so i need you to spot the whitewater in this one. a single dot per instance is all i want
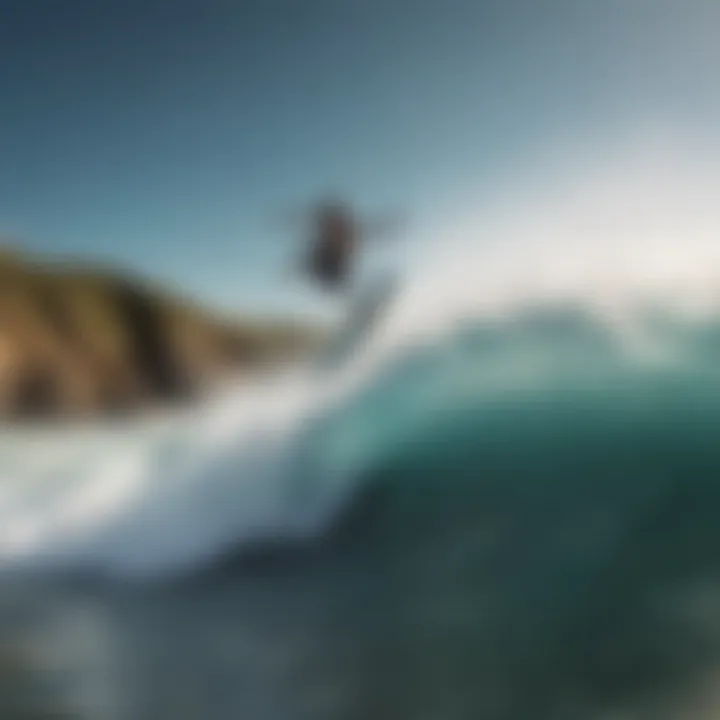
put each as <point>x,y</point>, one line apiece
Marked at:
<point>601,278</point>
<point>503,504</point>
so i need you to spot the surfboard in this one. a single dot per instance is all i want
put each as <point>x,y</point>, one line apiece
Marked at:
<point>360,323</point>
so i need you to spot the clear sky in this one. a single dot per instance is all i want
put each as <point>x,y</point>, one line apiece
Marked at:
<point>171,135</point>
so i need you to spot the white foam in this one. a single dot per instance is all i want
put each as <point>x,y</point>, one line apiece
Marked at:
<point>153,498</point>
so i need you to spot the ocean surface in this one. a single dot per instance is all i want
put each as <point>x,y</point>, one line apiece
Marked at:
<point>499,510</point>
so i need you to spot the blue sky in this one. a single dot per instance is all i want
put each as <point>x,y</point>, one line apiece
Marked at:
<point>171,136</point>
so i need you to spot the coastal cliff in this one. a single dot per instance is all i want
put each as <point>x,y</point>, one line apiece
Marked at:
<point>77,340</point>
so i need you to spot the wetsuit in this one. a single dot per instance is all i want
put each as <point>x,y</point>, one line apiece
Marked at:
<point>333,250</point>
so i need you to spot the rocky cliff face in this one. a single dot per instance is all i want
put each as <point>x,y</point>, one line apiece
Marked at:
<point>82,341</point>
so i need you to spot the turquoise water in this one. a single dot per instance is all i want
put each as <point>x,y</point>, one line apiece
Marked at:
<point>527,529</point>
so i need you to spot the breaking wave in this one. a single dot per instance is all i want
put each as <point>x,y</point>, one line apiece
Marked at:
<point>519,365</point>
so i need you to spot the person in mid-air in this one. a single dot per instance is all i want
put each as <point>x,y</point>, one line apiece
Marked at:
<point>336,236</point>
<point>333,245</point>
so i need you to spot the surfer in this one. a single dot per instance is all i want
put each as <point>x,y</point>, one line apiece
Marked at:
<point>336,235</point>
<point>333,245</point>
<point>335,239</point>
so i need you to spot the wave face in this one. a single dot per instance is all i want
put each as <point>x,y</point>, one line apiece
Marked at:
<point>552,401</point>
<point>563,377</point>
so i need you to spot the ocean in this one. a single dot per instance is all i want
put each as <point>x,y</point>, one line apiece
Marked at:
<point>504,510</point>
